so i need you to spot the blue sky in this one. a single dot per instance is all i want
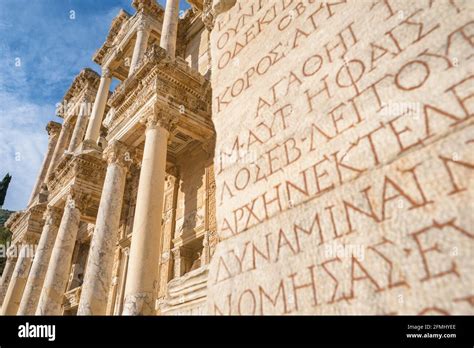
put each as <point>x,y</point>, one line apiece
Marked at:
<point>44,44</point>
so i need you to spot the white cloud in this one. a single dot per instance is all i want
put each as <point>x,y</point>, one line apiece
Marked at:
<point>23,141</point>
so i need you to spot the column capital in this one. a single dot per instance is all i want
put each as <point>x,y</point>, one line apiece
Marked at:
<point>53,215</point>
<point>106,73</point>
<point>119,153</point>
<point>143,24</point>
<point>78,200</point>
<point>161,117</point>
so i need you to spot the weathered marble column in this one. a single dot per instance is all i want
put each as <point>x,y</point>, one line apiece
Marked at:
<point>32,292</point>
<point>169,31</point>
<point>80,127</point>
<point>95,121</point>
<point>146,236</point>
<point>52,294</point>
<point>143,33</point>
<point>60,148</point>
<point>53,129</point>
<point>98,276</point>
<point>18,280</point>
<point>7,275</point>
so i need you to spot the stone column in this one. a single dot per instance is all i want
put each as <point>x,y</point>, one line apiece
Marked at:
<point>53,129</point>
<point>80,127</point>
<point>17,281</point>
<point>32,292</point>
<point>143,33</point>
<point>7,275</point>
<point>61,146</point>
<point>169,31</point>
<point>146,236</point>
<point>178,263</point>
<point>98,276</point>
<point>95,121</point>
<point>52,294</point>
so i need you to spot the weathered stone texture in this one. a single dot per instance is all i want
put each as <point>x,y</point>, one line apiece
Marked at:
<point>344,158</point>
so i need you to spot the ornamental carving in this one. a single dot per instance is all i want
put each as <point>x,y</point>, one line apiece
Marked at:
<point>119,153</point>
<point>53,129</point>
<point>161,117</point>
<point>77,199</point>
<point>53,215</point>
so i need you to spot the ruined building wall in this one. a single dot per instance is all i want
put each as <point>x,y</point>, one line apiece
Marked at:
<point>344,158</point>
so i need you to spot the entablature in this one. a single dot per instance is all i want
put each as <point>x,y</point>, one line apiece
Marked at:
<point>81,93</point>
<point>82,172</point>
<point>171,84</point>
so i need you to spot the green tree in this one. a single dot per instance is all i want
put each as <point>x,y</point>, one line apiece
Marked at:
<point>5,234</point>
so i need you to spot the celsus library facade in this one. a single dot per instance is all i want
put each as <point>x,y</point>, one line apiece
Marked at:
<point>259,157</point>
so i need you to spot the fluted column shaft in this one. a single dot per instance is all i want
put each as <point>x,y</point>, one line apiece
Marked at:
<point>52,294</point>
<point>146,236</point>
<point>53,130</point>
<point>169,32</point>
<point>95,121</point>
<point>33,287</point>
<point>6,276</point>
<point>143,33</point>
<point>18,280</point>
<point>98,276</point>
<point>80,127</point>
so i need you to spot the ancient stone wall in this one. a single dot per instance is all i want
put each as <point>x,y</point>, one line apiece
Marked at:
<point>344,158</point>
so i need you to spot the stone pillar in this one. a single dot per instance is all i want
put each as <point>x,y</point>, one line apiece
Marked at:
<point>80,127</point>
<point>146,236</point>
<point>53,129</point>
<point>98,276</point>
<point>61,146</point>
<point>141,43</point>
<point>169,31</point>
<point>52,294</point>
<point>6,275</point>
<point>95,121</point>
<point>206,251</point>
<point>178,263</point>
<point>32,292</point>
<point>18,280</point>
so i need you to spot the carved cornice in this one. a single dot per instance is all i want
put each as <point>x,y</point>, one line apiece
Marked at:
<point>82,166</point>
<point>171,80</point>
<point>13,219</point>
<point>150,7</point>
<point>117,23</point>
<point>87,80</point>
<point>53,128</point>
<point>26,224</point>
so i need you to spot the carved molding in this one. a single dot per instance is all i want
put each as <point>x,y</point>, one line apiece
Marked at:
<point>53,216</point>
<point>53,129</point>
<point>119,153</point>
<point>78,199</point>
<point>161,117</point>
